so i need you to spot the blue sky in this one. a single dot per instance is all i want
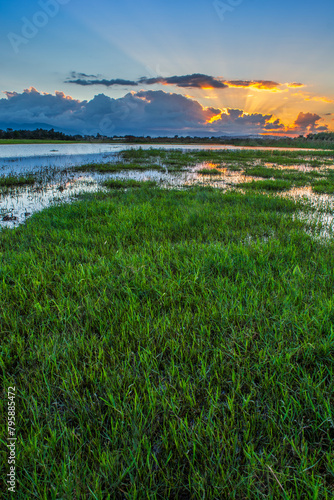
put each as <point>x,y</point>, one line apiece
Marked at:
<point>244,40</point>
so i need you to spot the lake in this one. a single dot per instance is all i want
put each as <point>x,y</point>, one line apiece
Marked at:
<point>22,158</point>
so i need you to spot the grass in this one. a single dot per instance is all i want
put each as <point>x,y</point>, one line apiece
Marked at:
<point>116,167</point>
<point>180,159</point>
<point>169,344</point>
<point>325,186</point>
<point>209,171</point>
<point>277,173</point>
<point>267,185</point>
<point>131,183</point>
<point>14,181</point>
<point>37,141</point>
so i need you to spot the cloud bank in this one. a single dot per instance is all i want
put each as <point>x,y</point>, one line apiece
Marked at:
<point>139,113</point>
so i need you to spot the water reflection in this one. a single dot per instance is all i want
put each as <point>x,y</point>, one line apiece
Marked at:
<point>57,182</point>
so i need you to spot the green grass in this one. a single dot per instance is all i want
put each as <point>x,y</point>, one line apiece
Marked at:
<point>14,181</point>
<point>325,186</point>
<point>131,183</point>
<point>209,171</point>
<point>116,167</point>
<point>277,173</point>
<point>267,185</point>
<point>169,344</point>
<point>229,157</point>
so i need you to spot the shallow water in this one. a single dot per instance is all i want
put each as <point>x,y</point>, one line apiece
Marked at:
<point>22,158</point>
<point>57,182</point>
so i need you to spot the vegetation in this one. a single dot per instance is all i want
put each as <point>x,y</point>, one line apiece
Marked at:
<point>169,344</point>
<point>226,157</point>
<point>39,135</point>
<point>267,185</point>
<point>117,167</point>
<point>276,173</point>
<point>324,186</point>
<point>131,183</point>
<point>209,171</point>
<point>14,181</point>
<point>321,140</point>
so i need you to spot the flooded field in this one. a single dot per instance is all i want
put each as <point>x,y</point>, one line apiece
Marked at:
<point>59,173</point>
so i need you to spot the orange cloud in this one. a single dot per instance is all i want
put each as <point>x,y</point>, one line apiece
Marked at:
<point>295,85</point>
<point>308,97</point>
<point>214,118</point>
<point>195,80</point>
<point>254,84</point>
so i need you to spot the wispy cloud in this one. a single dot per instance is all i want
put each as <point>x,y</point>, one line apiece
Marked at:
<point>88,80</point>
<point>195,81</point>
<point>295,85</point>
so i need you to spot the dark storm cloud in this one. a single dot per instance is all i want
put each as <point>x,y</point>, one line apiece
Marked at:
<point>308,122</point>
<point>142,113</point>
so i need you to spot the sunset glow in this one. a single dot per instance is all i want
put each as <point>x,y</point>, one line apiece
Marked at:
<point>147,70</point>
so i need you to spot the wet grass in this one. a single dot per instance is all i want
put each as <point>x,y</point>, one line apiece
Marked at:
<point>324,186</point>
<point>276,173</point>
<point>267,185</point>
<point>116,167</point>
<point>286,158</point>
<point>169,344</point>
<point>131,183</point>
<point>322,182</point>
<point>14,181</point>
<point>209,171</point>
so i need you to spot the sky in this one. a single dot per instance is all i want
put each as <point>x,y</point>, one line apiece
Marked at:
<point>199,67</point>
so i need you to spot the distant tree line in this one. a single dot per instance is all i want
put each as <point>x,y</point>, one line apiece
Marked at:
<point>38,134</point>
<point>320,140</point>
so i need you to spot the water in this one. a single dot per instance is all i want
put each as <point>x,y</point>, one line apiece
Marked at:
<point>57,181</point>
<point>22,158</point>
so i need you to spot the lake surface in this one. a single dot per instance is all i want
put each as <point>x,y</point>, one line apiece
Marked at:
<point>23,158</point>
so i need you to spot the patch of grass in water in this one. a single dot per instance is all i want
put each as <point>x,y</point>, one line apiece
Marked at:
<point>325,186</point>
<point>267,185</point>
<point>131,183</point>
<point>210,171</point>
<point>15,181</point>
<point>183,159</point>
<point>116,167</point>
<point>276,173</point>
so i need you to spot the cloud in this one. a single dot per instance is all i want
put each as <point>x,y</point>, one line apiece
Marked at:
<point>308,97</point>
<point>308,122</point>
<point>74,75</point>
<point>255,84</point>
<point>275,126</point>
<point>295,85</point>
<point>88,80</point>
<point>146,112</point>
<point>196,80</point>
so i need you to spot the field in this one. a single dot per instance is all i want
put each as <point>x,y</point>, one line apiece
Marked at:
<point>174,343</point>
